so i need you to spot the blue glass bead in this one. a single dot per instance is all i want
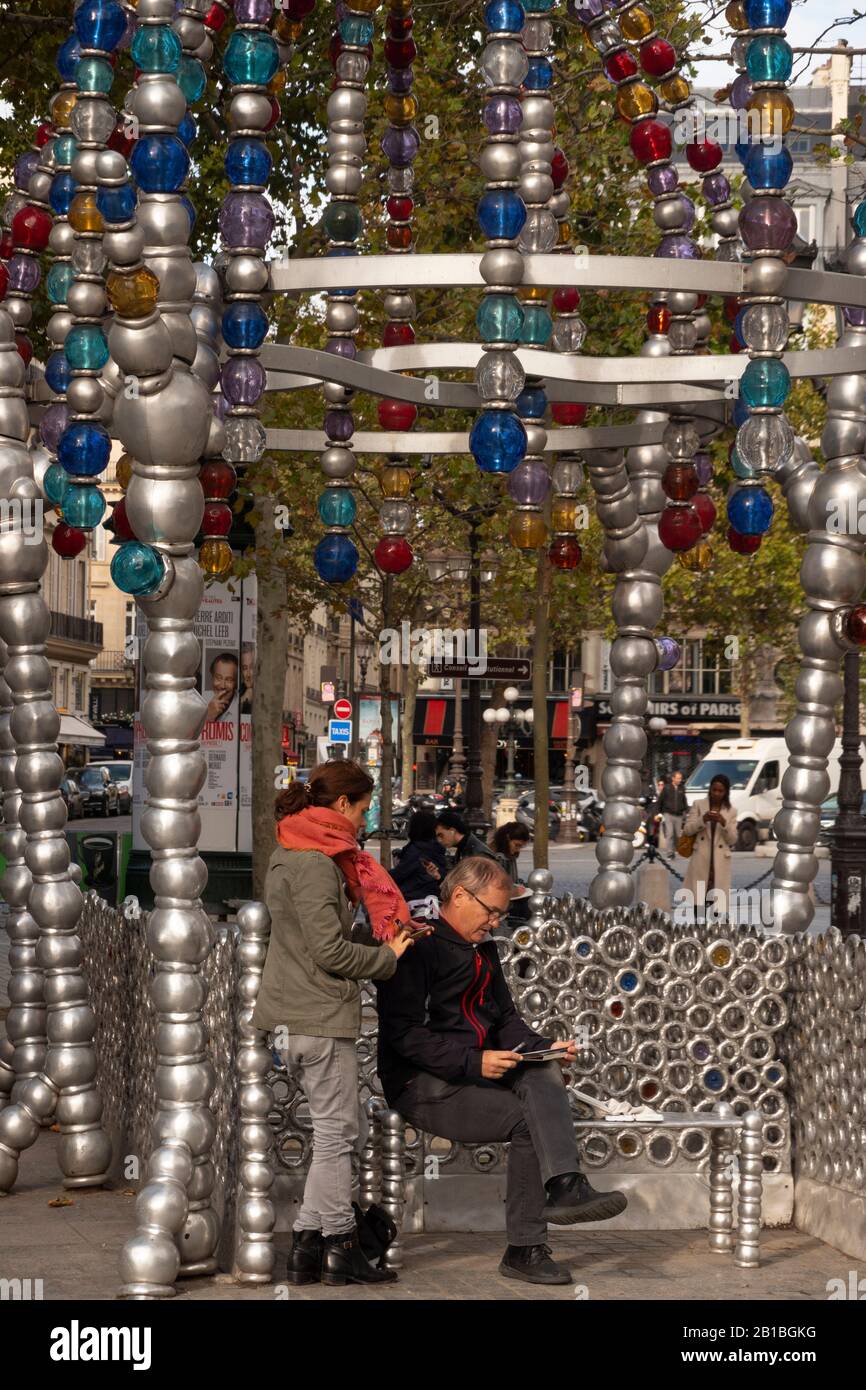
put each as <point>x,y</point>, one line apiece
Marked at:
<point>99,24</point>
<point>714,1080</point>
<point>84,448</point>
<point>497,441</point>
<point>356,30</point>
<point>858,219</point>
<point>740,412</point>
<point>499,318</point>
<point>539,75</point>
<point>337,507</point>
<point>537,325</point>
<point>531,403</point>
<point>57,282</point>
<point>741,470</point>
<point>538,6</point>
<point>86,349</point>
<point>252,57</point>
<point>83,506</point>
<point>191,213</point>
<point>93,75</point>
<point>156,48</point>
<point>187,130</point>
<point>765,382</point>
<point>65,147</point>
<point>117,204</point>
<point>504,17</point>
<point>244,325</point>
<point>769,59</point>
<point>774,1074</point>
<point>55,483</point>
<point>750,511</point>
<point>336,559</point>
<point>57,372</point>
<point>767,14</point>
<point>501,213</point>
<point>137,568</point>
<point>191,78</point>
<point>628,981</point>
<point>63,187</point>
<point>248,163</point>
<point>159,163</point>
<point>765,167</point>
<point>67,57</point>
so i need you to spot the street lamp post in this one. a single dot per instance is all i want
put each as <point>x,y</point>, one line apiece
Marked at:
<point>848,840</point>
<point>568,833</point>
<point>656,726</point>
<point>511,721</point>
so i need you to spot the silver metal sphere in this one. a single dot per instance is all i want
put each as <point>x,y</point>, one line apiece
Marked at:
<point>503,265</point>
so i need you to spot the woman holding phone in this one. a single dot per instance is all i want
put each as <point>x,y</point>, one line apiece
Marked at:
<point>713,821</point>
<point>310,995</point>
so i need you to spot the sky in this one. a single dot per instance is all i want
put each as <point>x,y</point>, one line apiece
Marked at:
<point>809,18</point>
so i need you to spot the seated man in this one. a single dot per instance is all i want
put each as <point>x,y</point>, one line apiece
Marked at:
<point>450,1039</point>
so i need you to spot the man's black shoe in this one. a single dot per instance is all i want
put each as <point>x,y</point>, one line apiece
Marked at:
<point>305,1259</point>
<point>344,1262</point>
<point>570,1199</point>
<point>532,1264</point>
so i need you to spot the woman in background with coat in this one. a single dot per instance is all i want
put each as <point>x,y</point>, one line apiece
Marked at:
<point>714,823</point>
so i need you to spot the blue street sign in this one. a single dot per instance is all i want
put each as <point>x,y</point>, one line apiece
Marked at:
<point>356,609</point>
<point>339,731</point>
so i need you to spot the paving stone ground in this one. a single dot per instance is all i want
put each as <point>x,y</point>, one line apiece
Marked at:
<point>75,1249</point>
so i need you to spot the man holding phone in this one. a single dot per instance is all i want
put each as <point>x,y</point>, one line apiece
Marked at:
<point>453,1060</point>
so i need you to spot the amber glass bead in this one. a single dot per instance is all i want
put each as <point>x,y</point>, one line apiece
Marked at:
<point>396,482</point>
<point>635,99</point>
<point>84,215</point>
<point>564,233</point>
<point>527,530</point>
<point>399,238</point>
<point>721,955</point>
<point>675,90</point>
<point>402,110</point>
<point>283,28</point>
<point>698,559</point>
<point>680,481</point>
<point>564,514</point>
<point>636,23</point>
<point>215,558</point>
<point>775,112</point>
<point>399,7</point>
<point>277,83</point>
<point>533,292</point>
<point>62,107</point>
<point>123,471</point>
<point>132,296</point>
<point>735,14</point>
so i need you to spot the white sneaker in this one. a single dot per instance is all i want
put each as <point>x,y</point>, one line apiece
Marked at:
<point>617,1111</point>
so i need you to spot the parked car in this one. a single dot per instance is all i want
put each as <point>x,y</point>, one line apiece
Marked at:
<point>829,812</point>
<point>99,795</point>
<point>72,797</point>
<point>121,775</point>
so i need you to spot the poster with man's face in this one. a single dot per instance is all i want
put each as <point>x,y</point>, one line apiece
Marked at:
<point>221,672</point>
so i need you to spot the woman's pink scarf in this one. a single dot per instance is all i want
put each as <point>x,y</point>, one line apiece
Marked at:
<point>323,829</point>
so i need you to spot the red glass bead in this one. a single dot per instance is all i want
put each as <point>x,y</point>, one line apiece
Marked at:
<point>743,545</point>
<point>400,209</point>
<point>650,141</point>
<point>702,299</point>
<point>44,133</point>
<point>706,510</point>
<point>399,238</point>
<point>4,280</point>
<point>120,141</point>
<point>276,113</point>
<point>558,168</point>
<point>658,320</point>
<point>398,335</point>
<point>620,66</point>
<point>120,522</point>
<point>218,480</point>
<point>31,228</point>
<point>68,541</point>
<point>704,155</point>
<point>400,26</point>
<point>732,307</point>
<point>217,519</point>
<point>400,53</point>
<point>566,299</point>
<point>680,481</point>
<point>657,57</point>
<point>565,553</point>
<point>679,528</point>
<point>393,554</point>
<point>298,9</point>
<point>855,625</point>
<point>7,246</point>
<point>397,415</point>
<point>25,348</point>
<point>215,18</point>
<point>568,412</point>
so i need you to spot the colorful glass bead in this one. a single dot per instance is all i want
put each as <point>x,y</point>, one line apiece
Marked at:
<point>86,348</point>
<point>497,441</point>
<point>84,449</point>
<point>335,558</point>
<point>132,295</point>
<point>137,569</point>
<point>337,507</point>
<point>159,163</point>
<point>750,511</point>
<point>156,48</point>
<point>83,506</point>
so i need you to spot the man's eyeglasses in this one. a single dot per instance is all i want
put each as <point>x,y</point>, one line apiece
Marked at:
<point>497,912</point>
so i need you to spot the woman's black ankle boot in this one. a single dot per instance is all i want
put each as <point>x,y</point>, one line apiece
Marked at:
<point>305,1259</point>
<point>344,1262</point>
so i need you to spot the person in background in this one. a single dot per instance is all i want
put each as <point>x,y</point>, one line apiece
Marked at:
<point>507,842</point>
<point>453,833</point>
<point>421,867</point>
<point>310,996</point>
<point>714,821</point>
<point>654,812</point>
<point>673,807</point>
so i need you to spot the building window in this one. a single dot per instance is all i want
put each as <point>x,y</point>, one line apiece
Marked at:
<point>129,628</point>
<point>99,548</point>
<point>703,669</point>
<point>78,687</point>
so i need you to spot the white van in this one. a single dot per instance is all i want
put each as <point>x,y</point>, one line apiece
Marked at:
<point>755,768</point>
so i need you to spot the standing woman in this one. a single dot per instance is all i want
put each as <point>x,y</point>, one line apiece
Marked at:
<point>714,821</point>
<point>310,994</point>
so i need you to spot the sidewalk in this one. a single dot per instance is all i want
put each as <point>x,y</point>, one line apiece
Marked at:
<point>75,1251</point>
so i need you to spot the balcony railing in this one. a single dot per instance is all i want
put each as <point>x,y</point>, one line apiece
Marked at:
<point>76,629</point>
<point>111,661</point>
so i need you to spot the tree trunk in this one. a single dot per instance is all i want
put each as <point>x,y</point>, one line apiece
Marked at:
<point>386,796</point>
<point>268,691</point>
<point>541,760</point>
<point>407,724</point>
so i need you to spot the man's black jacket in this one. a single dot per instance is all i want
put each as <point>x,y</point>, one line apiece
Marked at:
<point>446,1002</point>
<point>673,800</point>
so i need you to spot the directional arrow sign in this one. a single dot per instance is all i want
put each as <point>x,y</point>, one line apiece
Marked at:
<point>497,668</point>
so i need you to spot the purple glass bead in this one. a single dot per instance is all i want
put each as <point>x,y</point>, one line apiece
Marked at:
<point>529,484</point>
<point>703,467</point>
<point>586,10</point>
<point>341,10</point>
<point>677,247</point>
<point>246,219</point>
<point>503,115</point>
<point>768,224</point>
<point>131,25</point>
<point>400,80</point>
<point>689,210</point>
<point>662,179</point>
<point>25,167</point>
<point>741,93</point>
<point>24,274</point>
<point>400,145</point>
<point>220,405</point>
<point>669,653</point>
<point>252,11</point>
<point>243,380</point>
<point>855,315</point>
<point>716,189</point>
<point>341,347</point>
<point>52,425</point>
<point>339,425</point>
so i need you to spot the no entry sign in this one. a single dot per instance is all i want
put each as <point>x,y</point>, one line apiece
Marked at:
<point>343,709</point>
